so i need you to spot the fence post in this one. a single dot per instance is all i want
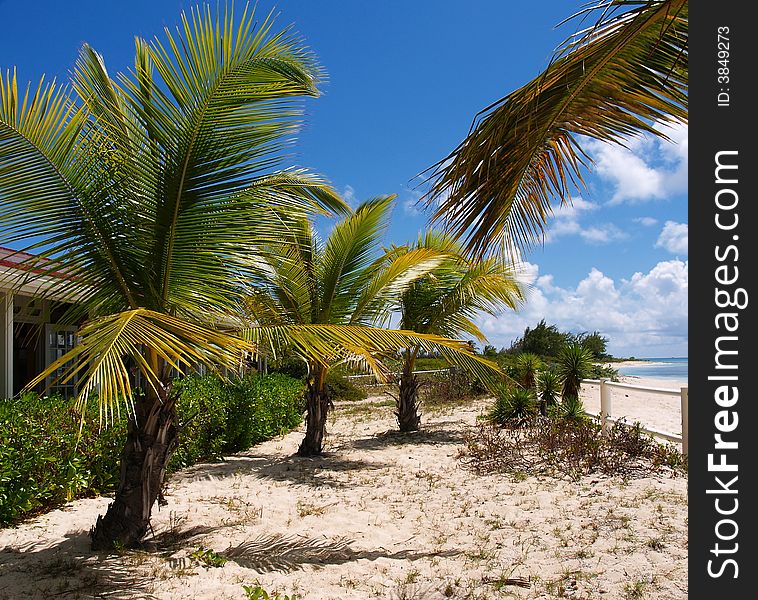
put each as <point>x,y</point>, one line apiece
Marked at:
<point>605,405</point>
<point>685,420</point>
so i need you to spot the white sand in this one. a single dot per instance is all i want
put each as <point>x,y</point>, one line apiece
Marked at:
<point>381,516</point>
<point>654,410</point>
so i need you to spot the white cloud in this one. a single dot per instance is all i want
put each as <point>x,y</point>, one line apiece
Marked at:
<point>566,221</point>
<point>646,221</point>
<point>674,238</point>
<point>645,315</point>
<point>647,168</point>
<point>348,195</point>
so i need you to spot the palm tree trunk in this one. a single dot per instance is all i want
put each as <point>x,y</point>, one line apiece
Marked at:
<point>408,417</point>
<point>152,437</point>
<point>317,404</point>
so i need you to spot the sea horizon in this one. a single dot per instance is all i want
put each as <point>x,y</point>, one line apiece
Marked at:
<point>660,368</point>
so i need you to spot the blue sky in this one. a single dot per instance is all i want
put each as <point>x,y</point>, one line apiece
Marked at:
<point>405,80</point>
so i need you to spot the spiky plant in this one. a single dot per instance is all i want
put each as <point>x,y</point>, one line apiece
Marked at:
<point>527,366</point>
<point>548,389</point>
<point>572,409</point>
<point>514,407</point>
<point>574,364</point>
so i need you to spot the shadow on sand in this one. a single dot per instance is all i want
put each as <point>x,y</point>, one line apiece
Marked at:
<point>317,472</point>
<point>68,570</point>
<point>440,432</point>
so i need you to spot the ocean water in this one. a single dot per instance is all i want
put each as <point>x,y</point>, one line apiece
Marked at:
<point>662,368</point>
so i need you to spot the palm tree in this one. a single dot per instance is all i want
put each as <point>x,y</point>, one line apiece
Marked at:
<point>620,76</point>
<point>346,282</point>
<point>153,192</point>
<point>445,302</point>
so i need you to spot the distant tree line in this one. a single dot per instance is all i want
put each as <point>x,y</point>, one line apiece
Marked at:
<point>548,341</point>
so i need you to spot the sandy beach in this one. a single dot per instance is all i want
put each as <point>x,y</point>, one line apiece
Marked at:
<point>382,515</point>
<point>657,411</point>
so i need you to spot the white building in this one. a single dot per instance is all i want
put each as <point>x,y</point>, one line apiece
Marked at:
<point>30,337</point>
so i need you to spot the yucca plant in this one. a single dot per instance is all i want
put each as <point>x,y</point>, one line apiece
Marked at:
<point>574,364</point>
<point>348,282</point>
<point>548,389</point>
<point>514,407</point>
<point>445,302</point>
<point>620,76</point>
<point>527,366</point>
<point>571,409</point>
<point>152,192</point>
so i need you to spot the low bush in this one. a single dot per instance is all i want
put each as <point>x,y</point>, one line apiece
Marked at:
<point>569,448</point>
<point>451,387</point>
<point>514,407</point>
<point>44,461</point>
<point>342,389</point>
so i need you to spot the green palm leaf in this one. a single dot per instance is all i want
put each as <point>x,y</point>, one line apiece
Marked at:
<point>616,78</point>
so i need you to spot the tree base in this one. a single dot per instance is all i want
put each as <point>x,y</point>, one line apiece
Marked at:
<point>151,439</point>
<point>408,417</point>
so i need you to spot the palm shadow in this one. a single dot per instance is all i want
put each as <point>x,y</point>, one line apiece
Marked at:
<point>68,570</point>
<point>434,434</point>
<point>317,472</point>
<point>286,553</point>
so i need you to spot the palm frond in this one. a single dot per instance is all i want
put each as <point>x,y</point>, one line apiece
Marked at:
<point>108,345</point>
<point>330,344</point>
<point>617,78</point>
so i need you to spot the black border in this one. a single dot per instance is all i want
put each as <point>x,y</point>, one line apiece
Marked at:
<point>714,128</point>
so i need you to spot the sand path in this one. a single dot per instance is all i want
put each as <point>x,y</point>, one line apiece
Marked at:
<point>383,515</point>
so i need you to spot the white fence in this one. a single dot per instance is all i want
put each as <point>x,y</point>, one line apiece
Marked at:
<point>371,375</point>
<point>606,408</point>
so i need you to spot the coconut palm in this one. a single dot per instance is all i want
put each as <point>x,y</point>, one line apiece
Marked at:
<point>151,194</point>
<point>574,364</point>
<point>347,280</point>
<point>620,76</point>
<point>150,190</point>
<point>445,302</point>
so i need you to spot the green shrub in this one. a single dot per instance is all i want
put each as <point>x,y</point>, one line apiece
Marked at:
<point>342,389</point>
<point>44,462</point>
<point>202,415</point>
<point>262,407</point>
<point>514,407</point>
<point>571,409</point>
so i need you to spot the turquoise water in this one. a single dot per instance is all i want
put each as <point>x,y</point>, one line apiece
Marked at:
<point>665,368</point>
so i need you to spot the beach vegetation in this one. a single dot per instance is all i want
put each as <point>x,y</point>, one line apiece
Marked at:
<point>148,196</point>
<point>51,453</point>
<point>527,366</point>
<point>514,406</point>
<point>347,282</point>
<point>569,448</point>
<point>445,302</point>
<point>257,592</point>
<point>548,389</point>
<point>574,364</point>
